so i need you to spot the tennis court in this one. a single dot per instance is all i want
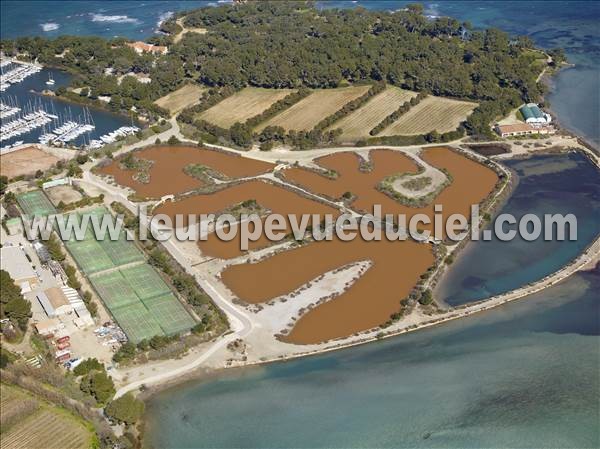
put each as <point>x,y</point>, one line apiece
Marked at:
<point>114,289</point>
<point>89,256</point>
<point>137,322</point>
<point>170,314</point>
<point>35,203</point>
<point>145,281</point>
<point>121,251</point>
<point>136,296</point>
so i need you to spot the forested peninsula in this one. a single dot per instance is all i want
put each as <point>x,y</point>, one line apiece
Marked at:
<point>296,45</point>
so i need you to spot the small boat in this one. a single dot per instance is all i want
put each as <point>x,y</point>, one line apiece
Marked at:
<point>50,81</point>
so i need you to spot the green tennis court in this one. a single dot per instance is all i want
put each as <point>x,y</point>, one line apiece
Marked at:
<point>137,322</point>
<point>71,221</point>
<point>89,256</point>
<point>121,251</point>
<point>136,296</point>
<point>145,281</point>
<point>114,289</point>
<point>170,314</point>
<point>35,203</point>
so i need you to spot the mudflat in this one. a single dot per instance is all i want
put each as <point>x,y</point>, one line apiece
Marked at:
<point>270,197</point>
<point>370,300</point>
<point>167,176</point>
<point>470,183</point>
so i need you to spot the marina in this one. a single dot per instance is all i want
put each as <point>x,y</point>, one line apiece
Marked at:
<point>13,72</point>
<point>28,116</point>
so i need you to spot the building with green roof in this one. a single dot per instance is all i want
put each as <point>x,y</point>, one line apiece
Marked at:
<point>533,114</point>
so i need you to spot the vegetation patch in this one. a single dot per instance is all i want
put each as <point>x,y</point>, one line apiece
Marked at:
<point>28,421</point>
<point>203,173</point>
<point>417,184</point>
<point>351,106</point>
<point>140,166</point>
<point>387,186</point>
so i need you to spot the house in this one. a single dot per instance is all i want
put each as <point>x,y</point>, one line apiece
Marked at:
<point>142,47</point>
<point>523,129</point>
<point>14,260</point>
<point>533,114</point>
<point>54,302</point>
<point>48,327</point>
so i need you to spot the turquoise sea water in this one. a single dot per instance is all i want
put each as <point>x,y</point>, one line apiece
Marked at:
<point>523,375</point>
<point>550,184</point>
<point>133,19</point>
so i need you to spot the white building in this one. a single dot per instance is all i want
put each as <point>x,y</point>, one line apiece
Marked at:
<point>14,260</point>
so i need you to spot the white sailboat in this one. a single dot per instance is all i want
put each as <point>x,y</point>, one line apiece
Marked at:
<point>50,81</point>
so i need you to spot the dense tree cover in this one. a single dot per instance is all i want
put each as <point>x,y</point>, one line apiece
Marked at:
<point>12,304</point>
<point>426,297</point>
<point>89,57</point>
<point>300,45</point>
<point>88,365</point>
<point>125,353</point>
<point>294,44</point>
<point>125,410</point>
<point>99,385</point>
<point>3,184</point>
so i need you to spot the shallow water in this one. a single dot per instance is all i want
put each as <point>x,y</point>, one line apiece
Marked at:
<point>523,375</point>
<point>551,184</point>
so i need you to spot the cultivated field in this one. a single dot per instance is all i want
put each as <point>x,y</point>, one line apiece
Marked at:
<point>181,98</point>
<point>433,113</point>
<point>308,112</point>
<point>358,124</point>
<point>243,105</point>
<point>31,423</point>
<point>25,162</point>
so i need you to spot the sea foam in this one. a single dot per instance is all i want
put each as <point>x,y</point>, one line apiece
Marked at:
<point>113,19</point>
<point>49,26</point>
